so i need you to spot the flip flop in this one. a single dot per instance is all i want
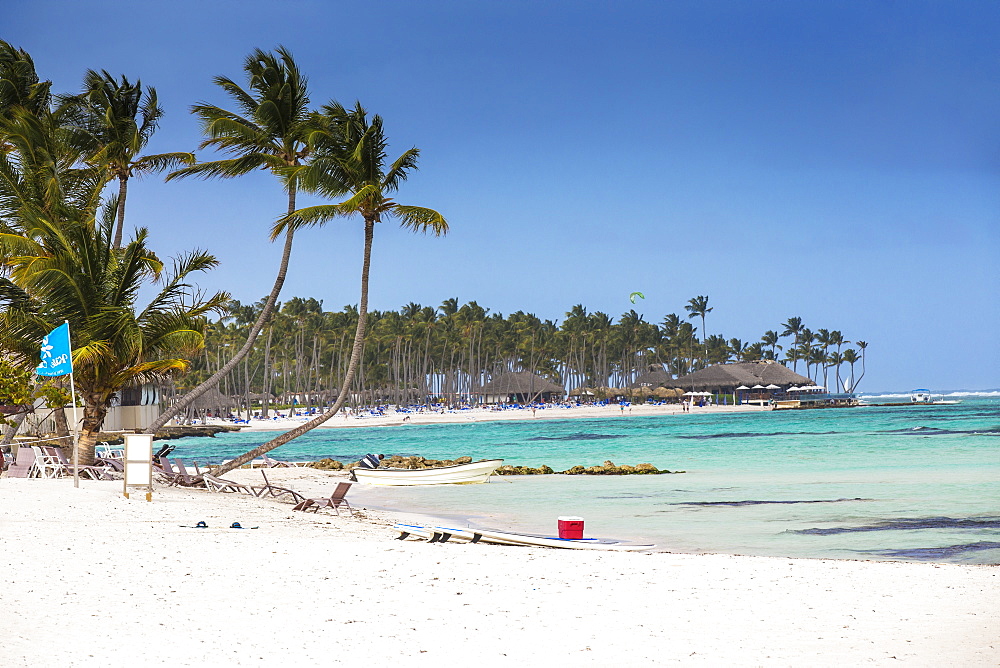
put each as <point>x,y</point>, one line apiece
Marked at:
<point>236,525</point>
<point>199,525</point>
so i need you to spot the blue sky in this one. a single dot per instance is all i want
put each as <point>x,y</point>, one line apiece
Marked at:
<point>836,161</point>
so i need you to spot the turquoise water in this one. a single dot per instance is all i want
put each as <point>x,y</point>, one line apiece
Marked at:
<point>912,483</point>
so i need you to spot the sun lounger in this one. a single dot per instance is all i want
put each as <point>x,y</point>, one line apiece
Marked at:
<point>111,464</point>
<point>93,472</point>
<point>214,484</point>
<point>277,492</point>
<point>274,463</point>
<point>24,464</point>
<point>184,478</point>
<point>166,471</point>
<point>335,501</point>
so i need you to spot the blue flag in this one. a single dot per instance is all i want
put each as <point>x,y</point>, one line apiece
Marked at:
<point>57,359</point>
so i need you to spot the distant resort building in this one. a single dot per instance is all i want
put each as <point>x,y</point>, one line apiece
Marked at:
<point>761,382</point>
<point>519,387</point>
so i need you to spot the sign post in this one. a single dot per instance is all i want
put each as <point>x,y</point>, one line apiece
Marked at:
<point>139,463</point>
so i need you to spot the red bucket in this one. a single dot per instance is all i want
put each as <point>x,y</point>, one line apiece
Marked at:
<point>571,527</point>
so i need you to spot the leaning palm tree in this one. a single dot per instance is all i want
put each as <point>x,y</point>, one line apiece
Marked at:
<point>112,121</point>
<point>271,132</point>
<point>862,346</point>
<point>851,357</point>
<point>353,160</point>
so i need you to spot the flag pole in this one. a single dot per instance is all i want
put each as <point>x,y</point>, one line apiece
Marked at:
<point>76,422</point>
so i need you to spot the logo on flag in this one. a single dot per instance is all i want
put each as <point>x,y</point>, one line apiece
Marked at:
<point>57,359</point>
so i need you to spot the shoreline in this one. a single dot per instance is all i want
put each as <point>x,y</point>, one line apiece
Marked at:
<point>348,421</point>
<point>287,590</point>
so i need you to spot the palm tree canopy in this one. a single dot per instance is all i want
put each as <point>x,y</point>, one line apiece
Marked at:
<point>272,129</point>
<point>351,158</point>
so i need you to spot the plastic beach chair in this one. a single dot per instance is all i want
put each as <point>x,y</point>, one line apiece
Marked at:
<point>277,492</point>
<point>335,501</point>
<point>93,472</point>
<point>24,464</point>
<point>214,484</point>
<point>184,478</point>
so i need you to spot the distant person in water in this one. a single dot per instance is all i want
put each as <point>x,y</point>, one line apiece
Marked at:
<point>372,461</point>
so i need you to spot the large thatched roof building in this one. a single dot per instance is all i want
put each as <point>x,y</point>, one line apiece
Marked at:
<point>654,378</point>
<point>725,378</point>
<point>520,387</point>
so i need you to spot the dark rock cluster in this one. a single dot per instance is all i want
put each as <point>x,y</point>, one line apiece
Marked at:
<point>418,462</point>
<point>608,468</point>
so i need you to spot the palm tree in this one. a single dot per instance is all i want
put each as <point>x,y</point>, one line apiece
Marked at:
<point>862,346</point>
<point>770,338</point>
<point>698,306</point>
<point>272,133</point>
<point>851,357</point>
<point>70,271</point>
<point>793,327</point>
<point>354,161</point>
<point>112,122</point>
<point>19,83</point>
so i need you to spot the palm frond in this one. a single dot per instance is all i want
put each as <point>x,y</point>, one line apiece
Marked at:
<point>421,219</point>
<point>161,161</point>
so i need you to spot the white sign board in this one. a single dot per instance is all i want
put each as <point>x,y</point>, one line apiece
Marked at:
<point>139,463</point>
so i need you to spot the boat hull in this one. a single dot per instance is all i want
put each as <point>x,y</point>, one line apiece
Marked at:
<point>459,474</point>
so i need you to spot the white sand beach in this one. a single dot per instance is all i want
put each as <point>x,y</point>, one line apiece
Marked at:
<point>94,579</point>
<point>554,412</point>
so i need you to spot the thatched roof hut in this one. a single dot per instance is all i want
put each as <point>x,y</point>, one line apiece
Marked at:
<point>519,386</point>
<point>654,378</point>
<point>726,378</point>
<point>212,400</point>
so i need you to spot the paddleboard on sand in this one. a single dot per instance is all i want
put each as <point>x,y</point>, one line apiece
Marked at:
<point>445,534</point>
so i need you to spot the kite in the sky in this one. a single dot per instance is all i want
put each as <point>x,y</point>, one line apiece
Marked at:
<point>634,295</point>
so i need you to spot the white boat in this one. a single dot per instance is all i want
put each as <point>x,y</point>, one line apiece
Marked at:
<point>445,534</point>
<point>920,396</point>
<point>459,474</point>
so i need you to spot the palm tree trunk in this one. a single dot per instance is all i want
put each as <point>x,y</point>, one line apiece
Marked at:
<point>265,314</point>
<point>119,227</point>
<point>94,413</point>
<point>352,367</point>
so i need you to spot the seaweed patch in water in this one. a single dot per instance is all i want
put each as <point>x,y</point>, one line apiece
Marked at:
<point>938,552</point>
<point>577,437</point>
<point>753,434</point>
<point>937,431</point>
<point>760,503</point>
<point>910,523</point>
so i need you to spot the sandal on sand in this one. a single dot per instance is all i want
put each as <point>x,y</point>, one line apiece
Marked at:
<point>236,525</point>
<point>199,525</point>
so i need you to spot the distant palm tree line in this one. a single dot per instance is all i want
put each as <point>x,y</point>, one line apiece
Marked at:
<point>448,351</point>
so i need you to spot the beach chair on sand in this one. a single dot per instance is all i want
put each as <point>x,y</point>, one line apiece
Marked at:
<point>184,478</point>
<point>335,501</point>
<point>165,470</point>
<point>47,465</point>
<point>24,464</point>
<point>277,492</point>
<point>93,472</point>
<point>274,463</point>
<point>111,464</point>
<point>214,484</point>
